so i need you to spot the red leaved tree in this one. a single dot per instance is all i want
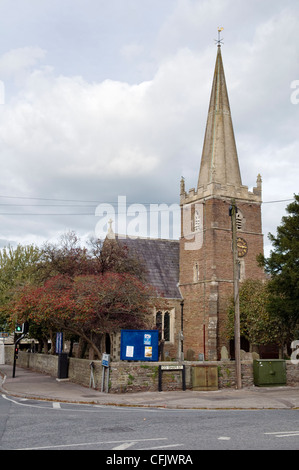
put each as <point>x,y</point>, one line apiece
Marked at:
<point>88,305</point>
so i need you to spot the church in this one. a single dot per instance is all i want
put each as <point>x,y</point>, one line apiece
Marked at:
<point>195,273</point>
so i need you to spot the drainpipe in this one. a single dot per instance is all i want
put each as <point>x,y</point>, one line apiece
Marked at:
<point>182,330</point>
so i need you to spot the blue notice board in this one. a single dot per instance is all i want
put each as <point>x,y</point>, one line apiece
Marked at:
<point>139,345</point>
<point>59,343</point>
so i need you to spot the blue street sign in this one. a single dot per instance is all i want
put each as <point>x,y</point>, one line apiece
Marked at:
<point>106,360</point>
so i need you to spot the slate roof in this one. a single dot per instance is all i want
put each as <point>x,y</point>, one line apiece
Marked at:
<point>161,259</point>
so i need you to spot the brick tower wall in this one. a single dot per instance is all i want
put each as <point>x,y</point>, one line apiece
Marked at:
<point>206,274</point>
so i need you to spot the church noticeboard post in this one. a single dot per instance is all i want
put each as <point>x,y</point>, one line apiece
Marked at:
<point>139,345</point>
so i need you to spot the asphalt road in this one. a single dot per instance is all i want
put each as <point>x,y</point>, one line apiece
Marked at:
<point>43,425</point>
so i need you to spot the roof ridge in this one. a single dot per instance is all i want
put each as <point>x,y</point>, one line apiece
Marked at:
<point>133,237</point>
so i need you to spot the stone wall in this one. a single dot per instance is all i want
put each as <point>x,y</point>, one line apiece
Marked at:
<point>292,373</point>
<point>227,375</point>
<point>140,376</point>
<point>45,363</point>
<point>80,372</point>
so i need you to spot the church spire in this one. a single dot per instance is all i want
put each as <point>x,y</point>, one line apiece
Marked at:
<point>219,162</point>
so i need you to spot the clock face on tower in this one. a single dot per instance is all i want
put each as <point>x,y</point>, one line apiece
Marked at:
<point>242,247</point>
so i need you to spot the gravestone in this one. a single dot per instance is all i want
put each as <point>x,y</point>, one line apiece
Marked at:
<point>224,354</point>
<point>190,355</point>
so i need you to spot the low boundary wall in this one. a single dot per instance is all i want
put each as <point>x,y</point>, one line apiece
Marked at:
<point>128,376</point>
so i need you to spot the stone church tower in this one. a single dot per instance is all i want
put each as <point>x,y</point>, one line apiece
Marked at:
<point>206,259</point>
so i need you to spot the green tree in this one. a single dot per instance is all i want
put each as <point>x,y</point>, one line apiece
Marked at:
<point>283,267</point>
<point>257,324</point>
<point>103,285</point>
<point>17,268</point>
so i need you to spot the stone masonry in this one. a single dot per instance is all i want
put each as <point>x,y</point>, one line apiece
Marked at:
<point>206,257</point>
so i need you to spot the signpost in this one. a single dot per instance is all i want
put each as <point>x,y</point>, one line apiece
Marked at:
<point>91,380</point>
<point>172,367</point>
<point>20,329</point>
<point>105,368</point>
<point>3,334</point>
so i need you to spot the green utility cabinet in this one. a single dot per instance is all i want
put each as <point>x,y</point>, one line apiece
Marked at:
<point>269,372</point>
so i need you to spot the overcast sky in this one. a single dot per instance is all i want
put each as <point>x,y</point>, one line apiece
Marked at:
<point>101,99</point>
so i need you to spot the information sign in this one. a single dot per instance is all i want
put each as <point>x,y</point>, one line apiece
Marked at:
<point>139,345</point>
<point>175,367</point>
<point>106,360</point>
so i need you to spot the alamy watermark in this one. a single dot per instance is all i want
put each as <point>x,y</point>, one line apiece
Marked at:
<point>295,94</point>
<point>166,221</point>
<point>295,353</point>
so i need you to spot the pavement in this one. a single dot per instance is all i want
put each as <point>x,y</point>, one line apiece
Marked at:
<point>34,385</point>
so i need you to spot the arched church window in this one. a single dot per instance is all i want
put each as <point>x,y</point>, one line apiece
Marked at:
<point>166,326</point>
<point>196,272</point>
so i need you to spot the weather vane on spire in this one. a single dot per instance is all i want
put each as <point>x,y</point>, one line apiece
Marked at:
<point>219,41</point>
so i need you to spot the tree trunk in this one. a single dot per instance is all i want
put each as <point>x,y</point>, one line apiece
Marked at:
<point>81,348</point>
<point>94,346</point>
<point>46,347</point>
<point>53,343</point>
<point>71,347</point>
<point>84,340</point>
